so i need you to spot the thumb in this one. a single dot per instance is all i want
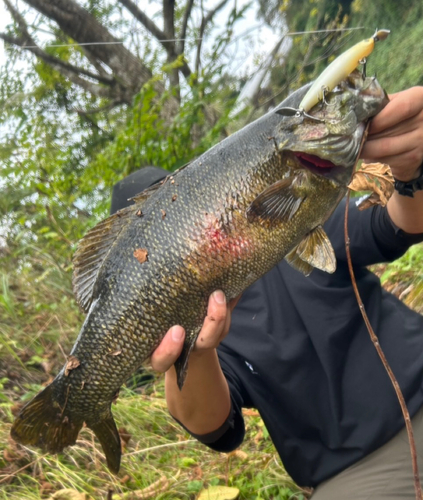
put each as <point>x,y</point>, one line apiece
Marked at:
<point>169,349</point>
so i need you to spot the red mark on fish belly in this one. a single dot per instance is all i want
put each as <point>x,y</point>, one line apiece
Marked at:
<point>223,243</point>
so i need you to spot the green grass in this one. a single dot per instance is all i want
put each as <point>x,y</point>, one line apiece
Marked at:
<point>39,321</point>
<point>404,277</point>
<point>158,451</point>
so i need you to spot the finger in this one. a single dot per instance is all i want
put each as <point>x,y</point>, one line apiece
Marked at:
<point>400,128</point>
<point>233,302</point>
<point>402,106</point>
<point>225,329</point>
<point>409,146</point>
<point>404,167</point>
<point>169,349</point>
<point>231,306</point>
<point>214,322</point>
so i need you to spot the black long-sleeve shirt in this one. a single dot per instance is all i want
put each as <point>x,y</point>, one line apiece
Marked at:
<point>299,352</point>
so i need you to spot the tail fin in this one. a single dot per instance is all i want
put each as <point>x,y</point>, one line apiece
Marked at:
<point>44,423</point>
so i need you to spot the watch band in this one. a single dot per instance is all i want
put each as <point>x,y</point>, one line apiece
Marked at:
<point>410,187</point>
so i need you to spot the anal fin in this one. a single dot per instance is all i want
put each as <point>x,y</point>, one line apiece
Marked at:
<point>300,265</point>
<point>108,435</point>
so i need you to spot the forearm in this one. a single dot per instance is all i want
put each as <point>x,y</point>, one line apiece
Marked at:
<point>407,213</point>
<point>203,404</point>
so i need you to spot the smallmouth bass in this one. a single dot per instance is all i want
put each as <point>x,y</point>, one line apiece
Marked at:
<point>221,222</point>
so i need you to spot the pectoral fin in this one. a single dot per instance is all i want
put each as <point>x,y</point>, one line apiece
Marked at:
<point>279,202</point>
<point>315,250</point>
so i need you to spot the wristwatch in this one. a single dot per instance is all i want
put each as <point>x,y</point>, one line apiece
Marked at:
<point>410,187</point>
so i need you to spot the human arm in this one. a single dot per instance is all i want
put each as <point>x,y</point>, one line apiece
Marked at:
<point>204,402</point>
<point>396,138</point>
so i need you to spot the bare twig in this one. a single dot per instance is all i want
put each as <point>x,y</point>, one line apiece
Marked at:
<point>159,35</point>
<point>375,340</point>
<point>183,33</point>
<point>8,476</point>
<point>148,23</point>
<point>204,22</point>
<point>168,445</point>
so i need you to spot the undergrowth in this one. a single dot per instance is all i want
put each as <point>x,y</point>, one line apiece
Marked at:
<point>39,321</point>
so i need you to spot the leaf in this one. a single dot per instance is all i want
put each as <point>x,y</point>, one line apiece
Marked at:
<point>68,494</point>
<point>219,493</point>
<point>187,462</point>
<point>71,364</point>
<point>374,177</point>
<point>241,455</point>
<point>152,491</point>
<point>141,255</point>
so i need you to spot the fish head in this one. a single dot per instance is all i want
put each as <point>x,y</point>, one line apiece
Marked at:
<point>328,142</point>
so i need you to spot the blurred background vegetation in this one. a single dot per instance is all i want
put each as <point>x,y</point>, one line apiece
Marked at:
<point>156,88</point>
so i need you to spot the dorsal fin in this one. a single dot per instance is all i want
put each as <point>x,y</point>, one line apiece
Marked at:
<point>93,249</point>
<point>141,197</point>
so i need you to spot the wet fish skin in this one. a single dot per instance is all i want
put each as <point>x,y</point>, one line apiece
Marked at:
<point>220,223</point>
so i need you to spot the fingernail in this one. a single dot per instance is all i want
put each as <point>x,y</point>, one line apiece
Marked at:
<point>219,297</point>
<point>177,333</point>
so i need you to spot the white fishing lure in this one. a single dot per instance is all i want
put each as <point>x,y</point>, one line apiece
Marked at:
<point>339,69</point>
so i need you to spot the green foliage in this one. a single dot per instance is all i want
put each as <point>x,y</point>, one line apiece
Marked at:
<point>396,61</point>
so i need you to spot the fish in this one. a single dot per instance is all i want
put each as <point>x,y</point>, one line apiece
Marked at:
<point>221,222</point>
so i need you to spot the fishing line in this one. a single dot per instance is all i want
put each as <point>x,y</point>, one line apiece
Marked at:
<point>84,44</point>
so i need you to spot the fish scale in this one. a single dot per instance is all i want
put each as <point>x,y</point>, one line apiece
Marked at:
<point>219,223</point>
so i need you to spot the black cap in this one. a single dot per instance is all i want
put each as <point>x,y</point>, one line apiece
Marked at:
<point>134,184</point>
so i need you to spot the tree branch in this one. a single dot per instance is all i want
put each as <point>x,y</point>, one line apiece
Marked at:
<point>158,34</point>
<point>169,21</point>
<point>107,107</point>
<point>80,25</point>
<point>183,33</point>
<point>204,22</point>
<point>93,88</point>
<point>169,29</point>
<point>148,23</point>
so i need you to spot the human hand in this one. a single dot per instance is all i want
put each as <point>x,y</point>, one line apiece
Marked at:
<point>215,328</point>
<point>396,135</point>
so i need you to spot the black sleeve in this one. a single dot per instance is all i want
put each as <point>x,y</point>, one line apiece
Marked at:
<point>230,434</point>
<point>373,236</point>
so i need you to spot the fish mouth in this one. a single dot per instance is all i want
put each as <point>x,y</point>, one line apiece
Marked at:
<point>317,165</point>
